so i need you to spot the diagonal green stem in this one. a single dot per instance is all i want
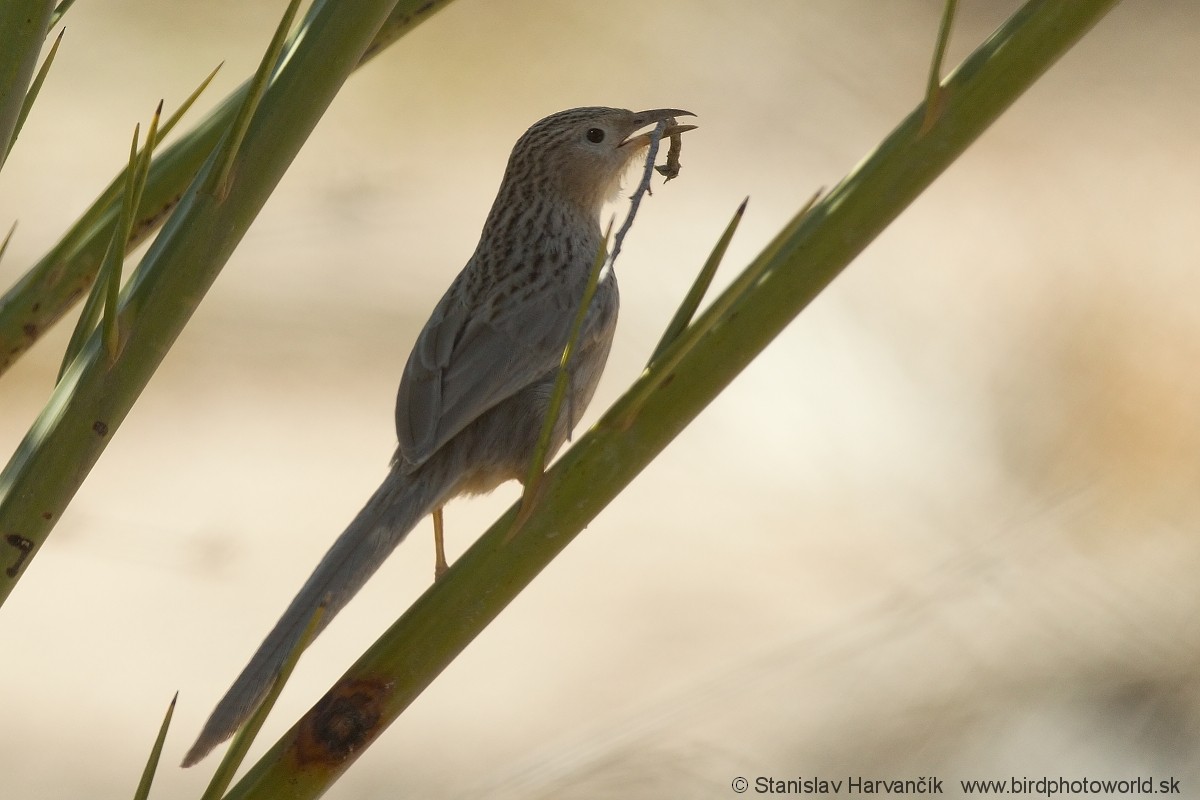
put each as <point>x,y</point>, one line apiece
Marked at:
<point>443,621</point>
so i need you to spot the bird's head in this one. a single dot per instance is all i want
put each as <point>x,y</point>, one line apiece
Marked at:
<point>580,155</point>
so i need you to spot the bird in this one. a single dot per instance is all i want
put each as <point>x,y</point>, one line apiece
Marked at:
<point>476,388</point>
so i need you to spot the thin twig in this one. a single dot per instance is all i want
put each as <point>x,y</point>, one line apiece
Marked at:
<point>636,200</point>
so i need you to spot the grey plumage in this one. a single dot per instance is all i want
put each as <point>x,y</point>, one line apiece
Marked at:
<point>475,390</point>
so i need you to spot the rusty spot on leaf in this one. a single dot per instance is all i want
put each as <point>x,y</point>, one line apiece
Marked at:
<point>345,719</point>
<point>24,548</point>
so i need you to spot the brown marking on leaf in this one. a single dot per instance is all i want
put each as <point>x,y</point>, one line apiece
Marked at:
<point>24,548</point>
<point>345,720</point>
<point>149,223</point>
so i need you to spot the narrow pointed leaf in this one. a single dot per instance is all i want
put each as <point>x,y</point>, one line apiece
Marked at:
<point>143,789</point>
<point>933,88</point>
<point>678,347</point>
<point>7,239</point>
<point>139,168</point>
<point>687,309</point>
<point>187,104</point>
<point>99,296</point>
<point>219,185</point>
<point>114,260</point>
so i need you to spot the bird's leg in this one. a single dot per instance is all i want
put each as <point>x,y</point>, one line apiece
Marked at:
<point>439,546</point>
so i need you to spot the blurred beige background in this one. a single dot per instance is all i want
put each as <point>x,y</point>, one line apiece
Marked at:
<point>945,525</point>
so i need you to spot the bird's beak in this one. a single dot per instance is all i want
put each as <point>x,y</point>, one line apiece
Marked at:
<point>643,118</point>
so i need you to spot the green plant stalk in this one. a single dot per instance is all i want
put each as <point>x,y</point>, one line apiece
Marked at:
<point>94,396</point>
<point>48,290</point>
<point>410,655</point>
<point>23,27</point>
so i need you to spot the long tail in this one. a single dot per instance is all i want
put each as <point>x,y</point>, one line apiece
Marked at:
<point>397,506</point>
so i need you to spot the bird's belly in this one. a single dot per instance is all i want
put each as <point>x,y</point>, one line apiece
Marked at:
<point>499,445</point>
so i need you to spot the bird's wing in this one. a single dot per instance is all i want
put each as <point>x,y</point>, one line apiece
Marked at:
<point>464,364</point>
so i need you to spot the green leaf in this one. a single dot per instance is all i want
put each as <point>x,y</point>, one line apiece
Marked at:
<point>933,89</point>
<point>691,302</point>
<point>143,789</point>
<point>104,293</point>
<point>7,239</point>
<point>219,185</point>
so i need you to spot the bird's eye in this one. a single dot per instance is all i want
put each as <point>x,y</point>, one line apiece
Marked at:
<point>595,135</point>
